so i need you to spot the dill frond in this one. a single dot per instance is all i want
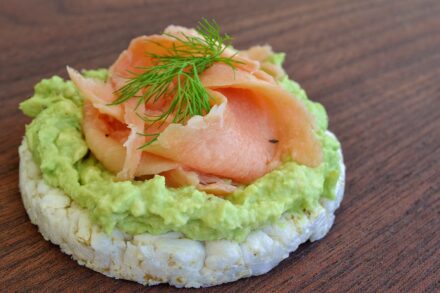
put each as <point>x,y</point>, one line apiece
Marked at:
<point>177,75</point>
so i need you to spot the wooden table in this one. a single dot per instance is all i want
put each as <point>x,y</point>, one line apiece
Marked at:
<point>375,65</point>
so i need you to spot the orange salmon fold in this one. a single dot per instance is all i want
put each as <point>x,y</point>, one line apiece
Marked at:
<point>253,124</point>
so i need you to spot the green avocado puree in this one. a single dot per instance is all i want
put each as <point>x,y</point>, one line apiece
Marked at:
<point>58,147</point>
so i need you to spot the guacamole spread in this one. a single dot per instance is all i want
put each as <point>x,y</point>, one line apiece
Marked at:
<point>58,147</point>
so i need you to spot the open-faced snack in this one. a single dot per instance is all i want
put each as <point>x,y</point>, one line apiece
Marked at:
<point>186,162</point>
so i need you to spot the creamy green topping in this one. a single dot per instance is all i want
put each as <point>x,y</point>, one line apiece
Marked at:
<point>58,147</point>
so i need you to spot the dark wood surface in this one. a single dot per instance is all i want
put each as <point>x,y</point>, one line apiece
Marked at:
<point>375,65</point>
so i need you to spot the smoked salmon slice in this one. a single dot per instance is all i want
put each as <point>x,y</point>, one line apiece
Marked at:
<point>252,126</point>
<point>102,130</point>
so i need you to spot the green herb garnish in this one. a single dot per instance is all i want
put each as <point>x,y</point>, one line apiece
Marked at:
<point>177,75</point>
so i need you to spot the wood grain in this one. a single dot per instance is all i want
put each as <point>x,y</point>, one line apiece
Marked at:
<point>375,65</point>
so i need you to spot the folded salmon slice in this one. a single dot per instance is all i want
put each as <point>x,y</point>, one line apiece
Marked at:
<point>105,136</point>
<point>99,93</point>
<point>252,125</point>
<point>262,54</point>
<point>294,125</point>
<point>232,141</point>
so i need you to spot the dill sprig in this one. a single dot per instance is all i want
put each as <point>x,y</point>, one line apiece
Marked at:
<point>176,74</point>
